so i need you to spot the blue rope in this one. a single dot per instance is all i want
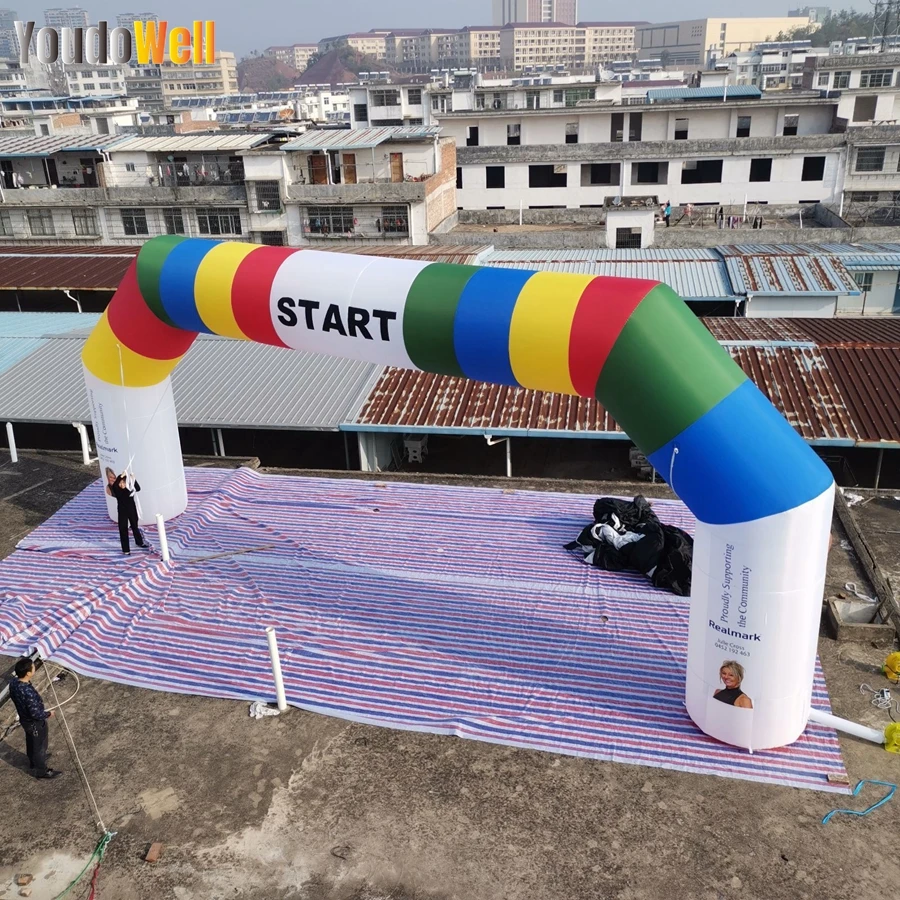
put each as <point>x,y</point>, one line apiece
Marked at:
<point>865,812</point>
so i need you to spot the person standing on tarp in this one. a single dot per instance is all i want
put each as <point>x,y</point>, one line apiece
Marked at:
<point>128,514</point>
<point>32,717</point>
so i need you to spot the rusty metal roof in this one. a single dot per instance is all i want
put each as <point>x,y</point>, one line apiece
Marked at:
<point>62,270</point>
<point>462,254</point>
<point>833,379</point>
<point>764,275</point>
<point>868,331</point>
<point>868,380</point>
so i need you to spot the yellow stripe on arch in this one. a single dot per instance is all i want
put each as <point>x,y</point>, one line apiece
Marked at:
<point>101,357</point>
<point>541,328</point>
<point>212,287</point>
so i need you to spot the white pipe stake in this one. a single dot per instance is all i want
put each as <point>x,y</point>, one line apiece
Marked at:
<point>860,731</point>
<point>163,540</point>
<point>276,668</point>
<point>11,437</point>
<point>85,444</point>
<point>509,457</point>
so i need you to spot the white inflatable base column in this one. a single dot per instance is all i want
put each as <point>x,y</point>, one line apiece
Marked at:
<point>756,600</point>
<point>139,425</point>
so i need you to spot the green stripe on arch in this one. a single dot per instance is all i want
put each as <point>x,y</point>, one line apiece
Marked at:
<point>430,315</point>
<point>665,371</point>
<point>150,261</point>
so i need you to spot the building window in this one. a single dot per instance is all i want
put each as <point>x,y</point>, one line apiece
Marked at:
<point>824,78</point>
<point>330,219</point>
<point>704,171</point>
<point>174,220</point>
<point>573,97</point>
<point>268,196</point>
<point>607,174</point>
<point>134,222</point>
<point>85,222</point>
<point>681,129</point>
<point>571,132</point>
<point>864,280</point>
<point>841,81</point>
<point>864,109</point>
<point>6,228</point>
<point>532,99</point>
<point>635,126</point>
<point>40,222</point>
<point>385,98</point>
<point>513,135</point>
<point>547,176</point>
<point>361,112</point>
<point>628,239</point>
<point>743,126</point>
<point>212,220</point>
<point>472,136</point>
<point>760,169</point>
<point>459,178</point>
<point>870,159</point>
<point>650,173</point>
<point>495,176</point>
<point>557,96</point>
<point>270,238</point>
<point>876,78</point>
<point>414,96</point>
<point>617,128</point>
<point>395,219</point>
<point>791,124</point>
<point>813,168</point>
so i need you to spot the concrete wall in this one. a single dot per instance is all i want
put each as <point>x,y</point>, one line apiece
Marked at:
<point>877,302</point>
<point>790,307</point>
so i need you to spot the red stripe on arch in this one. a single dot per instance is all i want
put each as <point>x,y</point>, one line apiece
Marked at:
<point>251,292</point>
<point>604,308</point>
<point>138,328</point>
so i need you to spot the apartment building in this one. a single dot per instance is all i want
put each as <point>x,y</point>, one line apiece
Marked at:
<point>86,81</point>
<point>384,185</point>
<point>771,66</point>
<point>506,11</point>
<point>606,42</point>
<point>699,42</point>
<point>145,84</point>
<point>529,44</point>
<point>66,17</point>
<point>388,105</point>
<point>46,115</point>
<point>202,79</point>
<point>865,86</point>
<point>570,146</point>
<point>370,43</point>
<point>296,55</point>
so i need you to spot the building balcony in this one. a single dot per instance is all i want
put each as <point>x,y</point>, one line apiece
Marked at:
<point>349,194</point>
<point>124,196</point>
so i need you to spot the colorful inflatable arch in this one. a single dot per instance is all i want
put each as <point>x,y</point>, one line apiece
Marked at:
<point>762,498</point>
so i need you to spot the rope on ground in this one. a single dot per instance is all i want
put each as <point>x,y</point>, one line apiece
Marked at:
<point>98,854</point>
<point>99,818</point>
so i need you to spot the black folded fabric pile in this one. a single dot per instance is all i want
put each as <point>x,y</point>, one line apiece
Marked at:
<point>628,537</point>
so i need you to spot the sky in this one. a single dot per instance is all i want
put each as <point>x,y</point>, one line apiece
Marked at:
<point>242,26</point>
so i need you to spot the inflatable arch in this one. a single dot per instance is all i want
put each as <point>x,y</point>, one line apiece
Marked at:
<point>762,498</point>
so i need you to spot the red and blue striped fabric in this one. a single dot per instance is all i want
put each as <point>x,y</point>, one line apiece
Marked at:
<point>439,609</point>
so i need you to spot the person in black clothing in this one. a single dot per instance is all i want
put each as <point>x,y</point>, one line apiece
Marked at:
<point>128,515</point>
<point>732,674</point>
<point>32,717</point>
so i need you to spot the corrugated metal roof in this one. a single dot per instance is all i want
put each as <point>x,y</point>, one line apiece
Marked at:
<point>462,254</point>
<point>220,383</point>
<point>62,271</point>
<point>867,331</point>
<point>766,275</point>
<point>696,275</point>
<point>190,143</point>
<point>734,91</point>
<point>70,249</point>
<point>21,334</point>
<point>868,380</point>
<point>360,138</point>
<point>44,145</point>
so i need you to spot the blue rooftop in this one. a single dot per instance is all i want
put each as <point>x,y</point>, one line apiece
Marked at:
<point>733,92</point>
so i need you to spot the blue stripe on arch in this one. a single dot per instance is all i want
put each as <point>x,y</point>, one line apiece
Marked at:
<point>481,326</point>
<point>176,284</point>
<point>742,461</point>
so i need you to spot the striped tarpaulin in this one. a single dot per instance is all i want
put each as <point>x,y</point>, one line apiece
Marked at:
<point>449,610</point>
